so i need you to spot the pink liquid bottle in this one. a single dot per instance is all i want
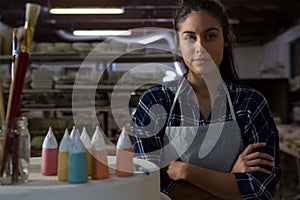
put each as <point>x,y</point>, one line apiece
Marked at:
<point>124,160</point>
<point>49,154</point>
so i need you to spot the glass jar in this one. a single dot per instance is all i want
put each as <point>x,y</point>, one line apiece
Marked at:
<point>18,151</point>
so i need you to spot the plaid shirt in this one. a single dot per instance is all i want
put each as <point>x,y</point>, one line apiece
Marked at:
<point>252,114</point>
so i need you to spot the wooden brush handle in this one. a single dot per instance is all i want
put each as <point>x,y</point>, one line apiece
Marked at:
<point>2,107</point>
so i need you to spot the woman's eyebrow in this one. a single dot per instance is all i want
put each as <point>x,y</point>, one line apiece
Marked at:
<point>188,32</point>
<point>207,30</point>
<point>210,29</point>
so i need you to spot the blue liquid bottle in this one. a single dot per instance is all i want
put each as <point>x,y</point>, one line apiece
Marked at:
<point>77,164</point>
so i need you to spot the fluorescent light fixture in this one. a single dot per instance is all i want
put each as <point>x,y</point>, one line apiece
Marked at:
<point>86,10</point>
<point>102,32</point>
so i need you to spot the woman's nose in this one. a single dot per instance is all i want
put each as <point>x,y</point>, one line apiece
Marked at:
<point>199,46</point>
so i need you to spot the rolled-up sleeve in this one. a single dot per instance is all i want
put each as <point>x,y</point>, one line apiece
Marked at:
<point>259,127</point>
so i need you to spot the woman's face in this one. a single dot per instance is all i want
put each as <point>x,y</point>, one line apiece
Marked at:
<point>197,32</point>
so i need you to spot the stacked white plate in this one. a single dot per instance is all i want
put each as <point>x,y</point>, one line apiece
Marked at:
<point>44,47</point>
<point>42,79</point>
<point>63,47</point>
<point>137,48</point>
<point>82,47</point>
<point>101,47</point>
<point>117,47</point>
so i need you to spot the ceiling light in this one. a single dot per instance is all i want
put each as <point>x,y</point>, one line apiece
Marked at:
<point>102,32</point>
<point>86,10</point>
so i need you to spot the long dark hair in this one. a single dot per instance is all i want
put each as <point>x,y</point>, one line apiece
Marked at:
<point>216,10</point>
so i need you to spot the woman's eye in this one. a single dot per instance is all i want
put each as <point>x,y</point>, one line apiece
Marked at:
<point>210,36</point>
<point>189,38</point>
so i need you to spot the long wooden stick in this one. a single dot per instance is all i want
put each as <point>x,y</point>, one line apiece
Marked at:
<point>2,118</point>
<point>2,107</point>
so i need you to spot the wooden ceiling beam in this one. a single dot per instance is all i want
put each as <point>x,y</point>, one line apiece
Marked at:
<point>259,20</point>
<point>20,4</point>
<point>104,25</point>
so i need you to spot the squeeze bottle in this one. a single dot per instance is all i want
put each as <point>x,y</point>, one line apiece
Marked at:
<point>85,138</point>
<point>63,157</point>
<point>99,156</point>
<point>49,154</point>
<point>124,160</point>
<point>77,164</point>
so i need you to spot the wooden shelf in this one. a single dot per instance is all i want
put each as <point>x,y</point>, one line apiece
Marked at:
<point>129,57</point>
<point>87,88</point>
<point>102,87</point>
<point>98,109</point>
<point>64,61</point>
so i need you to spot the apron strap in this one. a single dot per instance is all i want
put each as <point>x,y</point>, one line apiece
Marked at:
<point>177,94</point>
<point>174,101</point>
<point>230,103</point>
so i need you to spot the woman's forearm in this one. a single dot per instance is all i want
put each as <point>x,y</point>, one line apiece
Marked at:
<point>188,191</point>
<point>220,184</point>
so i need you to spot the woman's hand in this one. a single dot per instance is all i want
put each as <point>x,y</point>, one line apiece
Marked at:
<point>250,162</point>
<point>177,170</point>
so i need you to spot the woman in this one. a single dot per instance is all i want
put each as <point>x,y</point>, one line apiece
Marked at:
<point>218,137</point>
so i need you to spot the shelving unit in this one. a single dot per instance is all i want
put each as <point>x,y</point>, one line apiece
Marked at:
<point>68,89</point>
<point>125,58</point>
<point>99,109</point>
<point>60,61</point>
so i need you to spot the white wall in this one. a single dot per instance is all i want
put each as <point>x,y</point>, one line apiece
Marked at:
<point>248,61</point>
<point>252,60</point>
<point>279,48</point>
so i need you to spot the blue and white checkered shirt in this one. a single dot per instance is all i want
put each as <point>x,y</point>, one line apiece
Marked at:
<point>252,114</point>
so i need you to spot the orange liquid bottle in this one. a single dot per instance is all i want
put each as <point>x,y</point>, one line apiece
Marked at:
<point>99,165</point>
<point>99,156</point>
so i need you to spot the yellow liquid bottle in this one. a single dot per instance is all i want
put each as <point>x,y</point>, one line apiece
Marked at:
<point>62,169</point>
<point>63,157</point>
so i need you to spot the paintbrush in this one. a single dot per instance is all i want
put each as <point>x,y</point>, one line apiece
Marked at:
<point>21,64</point>
<point>14,52</point>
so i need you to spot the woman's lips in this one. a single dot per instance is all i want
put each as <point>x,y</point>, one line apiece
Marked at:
<point>200,61</point>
